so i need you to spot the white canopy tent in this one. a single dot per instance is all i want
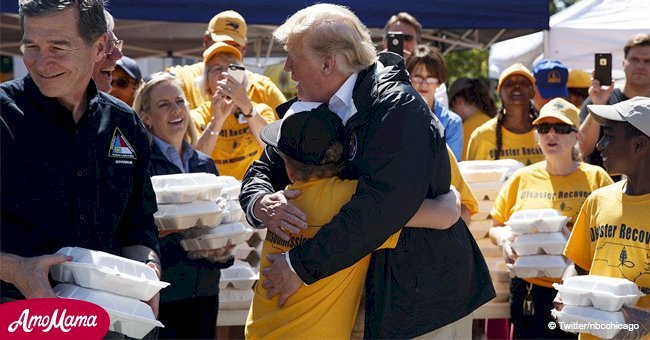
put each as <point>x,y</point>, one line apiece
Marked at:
<point>575,34</point>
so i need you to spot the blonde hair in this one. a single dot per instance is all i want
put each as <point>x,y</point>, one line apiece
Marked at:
<point>142,103</point>
<point>331,30</point>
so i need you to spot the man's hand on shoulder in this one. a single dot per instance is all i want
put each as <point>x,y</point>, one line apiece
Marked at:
<point>278,215</point>
<point>280,279</point>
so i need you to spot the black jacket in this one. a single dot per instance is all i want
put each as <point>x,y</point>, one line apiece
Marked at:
<point>396,149</point>
<point>188,277</point>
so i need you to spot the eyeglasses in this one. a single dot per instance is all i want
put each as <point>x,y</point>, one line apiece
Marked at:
<point>560,128</point>
<point>408,37</point>
<point>121,83</point>
<point>115,44</point>
<point>428,80</point>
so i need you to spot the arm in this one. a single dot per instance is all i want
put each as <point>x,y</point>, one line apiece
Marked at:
<point>30,274</point>
<point>590,128</point>
<point>262,117</point>
<point>438,213</point>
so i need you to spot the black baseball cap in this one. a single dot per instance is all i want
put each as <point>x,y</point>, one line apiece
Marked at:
<point>131,68</point>
<point>306,135</point>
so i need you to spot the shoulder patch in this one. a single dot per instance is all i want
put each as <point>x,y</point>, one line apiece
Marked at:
<point>120,146</point>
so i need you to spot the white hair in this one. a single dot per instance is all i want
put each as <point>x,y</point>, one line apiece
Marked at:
<point>331,30</point>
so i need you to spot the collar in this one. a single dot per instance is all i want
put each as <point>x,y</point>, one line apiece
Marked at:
<point>169,150</point>
<point>341,103</point>
<point>92,96</point>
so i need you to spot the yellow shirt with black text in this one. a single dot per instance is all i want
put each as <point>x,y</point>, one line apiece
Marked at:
<point>532,187</point>
<point>467,197</point>
<point>326,309</point>
<point>469,125</point>
<point>611,237</point>
<point>482,144</point>
<point>236,148</point>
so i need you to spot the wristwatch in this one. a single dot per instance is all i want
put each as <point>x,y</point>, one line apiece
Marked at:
<point>250,115</point>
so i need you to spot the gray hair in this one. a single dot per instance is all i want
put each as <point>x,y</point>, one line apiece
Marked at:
<point>90,26</point>
<point>331,30</point>
<point>201,82</point>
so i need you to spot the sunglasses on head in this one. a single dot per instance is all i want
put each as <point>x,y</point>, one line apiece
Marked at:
<point>560,128</point>
<point>121,83</point>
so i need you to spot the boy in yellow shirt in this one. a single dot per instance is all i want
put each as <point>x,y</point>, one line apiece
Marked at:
<point>611,236</point>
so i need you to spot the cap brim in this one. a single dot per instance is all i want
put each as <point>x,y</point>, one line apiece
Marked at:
<point>604,112</point>
<point>270,133</point>
<point>226,37</point>
<point>126,70</point>
<point>561,117</point>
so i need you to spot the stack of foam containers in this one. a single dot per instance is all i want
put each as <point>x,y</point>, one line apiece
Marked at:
<point>202,206</point>
<point>485,179</point>
<point>117,284</point>
<point>540,237</point>
<point>592,299</point>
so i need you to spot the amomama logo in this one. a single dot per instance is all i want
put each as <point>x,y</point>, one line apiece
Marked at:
<point>52,319</point>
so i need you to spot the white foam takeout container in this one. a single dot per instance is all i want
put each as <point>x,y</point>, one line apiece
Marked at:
<point>537,220</point>
<point>185,188</point>
<point>108,272</point>
<point>602,292</point>
<point>232,211</point>
<point>239,276</point>
<point>593,316</point>
<point>540,243</point>
<point>498,269</point>
<point>187,215</point>
<point>234,299</point>
<point>216,237</point>
<point>231,187</point>
<point>488,171</point>
<point>538,266</point>
<point>479,228</point>
<point>128,316</point>
<point>485,191</point>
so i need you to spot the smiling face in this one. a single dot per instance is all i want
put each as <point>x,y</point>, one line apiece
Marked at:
<point>516,90</point>
<point>556,145</point>
<point>57,58</point>
<point>167,116</point>
<point>104,68</point>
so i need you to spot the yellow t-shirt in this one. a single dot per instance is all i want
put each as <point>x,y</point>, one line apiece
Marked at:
<point>469,125</point>
<point>521,147</point>
<point>467,197</point>
<point>611,237</point>
<point>533,187</point>
<point>236,148</point>
<point>326,309</point>
<point>261,89</point>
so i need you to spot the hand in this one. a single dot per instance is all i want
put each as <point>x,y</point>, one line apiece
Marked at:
<point>221,255</point>
<point>280,279</point>
<point>31,275</point>
<point>508,253</point>
<point>154,303</point>
<point>278,215</point>
<point>598,94</point>
<point>236,91</point>
<point>222,107</point>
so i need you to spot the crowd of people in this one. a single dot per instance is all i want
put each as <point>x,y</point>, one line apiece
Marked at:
<point>356,179</point>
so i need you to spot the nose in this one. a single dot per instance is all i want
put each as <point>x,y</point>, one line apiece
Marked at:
<point>600,146</point>
<point>288,65</point>
<point>116,54</point>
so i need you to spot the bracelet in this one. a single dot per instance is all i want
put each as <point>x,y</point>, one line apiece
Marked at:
<point>250,115</point>
<point>212,132</point>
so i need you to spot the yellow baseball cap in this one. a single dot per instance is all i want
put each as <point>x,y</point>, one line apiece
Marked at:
<point>517,68</point>
<point>228,26</point>
<point>578,78</point>
<point>560,109</point>
<point>220,47</point>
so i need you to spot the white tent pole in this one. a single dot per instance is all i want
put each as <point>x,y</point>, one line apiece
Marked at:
<point>546,42</point>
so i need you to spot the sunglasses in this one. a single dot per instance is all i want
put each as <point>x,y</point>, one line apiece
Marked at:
<point>428,80</point>
<point>560,128</point>
<point>121,83</point>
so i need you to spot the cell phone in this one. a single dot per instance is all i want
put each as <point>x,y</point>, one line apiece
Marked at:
<point>603,68</point>
<point>395,42</point>
<point>237,72</point>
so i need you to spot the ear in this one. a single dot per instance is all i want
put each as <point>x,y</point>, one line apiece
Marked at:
<point>100,46</point>
<point>146,119</point>
<point>641,143</point>
<point>207,41</point>
<point>329,64</point>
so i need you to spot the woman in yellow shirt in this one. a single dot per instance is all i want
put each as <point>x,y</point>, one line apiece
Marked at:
<point>510,134</point>
<point>561,182</point>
